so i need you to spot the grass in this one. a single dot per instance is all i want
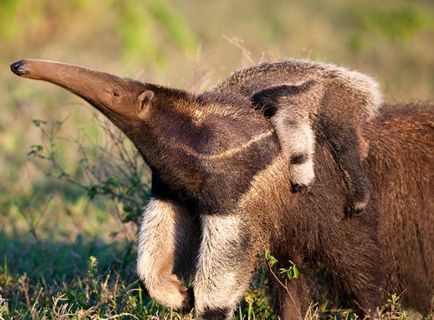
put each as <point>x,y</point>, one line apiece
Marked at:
<point>92,279</point>
<point>79,280</point>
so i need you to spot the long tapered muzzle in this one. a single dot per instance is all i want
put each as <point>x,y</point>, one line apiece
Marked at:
<point>84,82</point>
<point>109,93</point>
<point>66,75</point>
<point>19,67</point>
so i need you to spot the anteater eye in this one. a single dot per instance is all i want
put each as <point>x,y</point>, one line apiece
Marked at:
<point>116,93</point>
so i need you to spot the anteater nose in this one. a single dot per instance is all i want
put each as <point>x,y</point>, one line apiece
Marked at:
<point>19,67</point>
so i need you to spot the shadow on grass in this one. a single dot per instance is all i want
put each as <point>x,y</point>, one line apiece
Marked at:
<point>61,280</point>
<point>62,261</point>
<point>84,279</point>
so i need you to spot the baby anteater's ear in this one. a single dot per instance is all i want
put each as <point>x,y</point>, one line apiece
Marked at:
<point>270,98</point>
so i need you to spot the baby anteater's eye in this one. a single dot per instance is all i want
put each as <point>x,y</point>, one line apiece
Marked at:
<point>116,93</point>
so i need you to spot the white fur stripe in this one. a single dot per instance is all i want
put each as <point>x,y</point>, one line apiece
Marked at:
<point>156,252</point>
<point>225,154</point>
<point>216,284</point>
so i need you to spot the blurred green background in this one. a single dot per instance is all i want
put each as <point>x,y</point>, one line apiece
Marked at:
<point>186,44</point>
<point>191,45</point>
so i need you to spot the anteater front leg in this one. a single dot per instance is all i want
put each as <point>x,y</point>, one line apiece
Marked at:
<point>297,141</point>
<point>167,246</point>
<point>344,144</point>
<point>225,266</point>
<point>290,109</point>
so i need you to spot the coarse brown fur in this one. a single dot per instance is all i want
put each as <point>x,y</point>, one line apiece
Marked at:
<point>231,177</point>
<point>400,166</point>
<point>300,95</point>
<point>402,209</point>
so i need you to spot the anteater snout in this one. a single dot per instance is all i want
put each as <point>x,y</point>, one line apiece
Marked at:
<point>19,68</point>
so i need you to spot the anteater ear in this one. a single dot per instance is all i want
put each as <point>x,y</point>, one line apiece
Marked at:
<point>145,99</point>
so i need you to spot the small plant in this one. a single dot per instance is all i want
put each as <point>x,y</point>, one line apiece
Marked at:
<point>92,267</point>
<point>286,274</point>
<point>258,305</point>
<point>393,309</point>
<point>291,272</point>
<point>3,307</point>
<point>114,169</point>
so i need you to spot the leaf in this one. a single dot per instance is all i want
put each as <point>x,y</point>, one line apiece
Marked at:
<point>35,149</point>
<point>38,122</point>
<point>270,259</point>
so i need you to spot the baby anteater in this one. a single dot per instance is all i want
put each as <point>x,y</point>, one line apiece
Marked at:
<point>292,127</point>
<point>306,101</point>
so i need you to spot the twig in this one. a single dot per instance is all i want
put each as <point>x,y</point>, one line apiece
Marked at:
<point>286,289</point>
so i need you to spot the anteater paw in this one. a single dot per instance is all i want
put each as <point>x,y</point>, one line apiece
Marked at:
<point>299,187</point>
<point>356,207</point>
<point>169,291</point>
<point>301,176</point>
